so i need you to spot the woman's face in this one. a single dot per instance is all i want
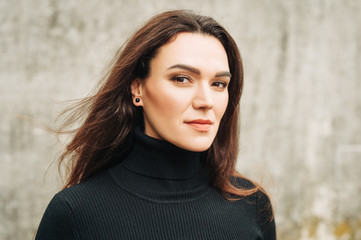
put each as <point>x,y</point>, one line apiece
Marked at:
<point>185,95</point>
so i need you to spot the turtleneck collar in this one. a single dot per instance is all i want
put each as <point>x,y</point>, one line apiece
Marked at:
<point>160,159</point>
<point>159,171</point>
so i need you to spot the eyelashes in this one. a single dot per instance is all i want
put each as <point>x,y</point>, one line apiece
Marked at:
<point>186,80</point>
<point>182,79</point>
<point>220,84</point>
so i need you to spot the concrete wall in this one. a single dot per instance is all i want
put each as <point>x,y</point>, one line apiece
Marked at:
<point>301,108</point>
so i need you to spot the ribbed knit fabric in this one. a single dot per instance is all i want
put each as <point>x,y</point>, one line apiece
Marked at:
<point>158,192</point>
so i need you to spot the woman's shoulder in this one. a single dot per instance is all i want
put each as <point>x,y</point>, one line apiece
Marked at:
<point>76,204</point>
<point>248,186</point>
<point>256,193</point>
<point>92,188</point>
<point>242,183</point>
<point>76,201</point>
<point>261,202</point>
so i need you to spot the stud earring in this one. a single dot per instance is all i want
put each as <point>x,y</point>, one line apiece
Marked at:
<point>137,100</point>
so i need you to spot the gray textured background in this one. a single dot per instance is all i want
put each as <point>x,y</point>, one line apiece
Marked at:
<point>301,106</point>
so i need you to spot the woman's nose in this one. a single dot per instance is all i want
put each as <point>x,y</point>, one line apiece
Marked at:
<point>203,97</point>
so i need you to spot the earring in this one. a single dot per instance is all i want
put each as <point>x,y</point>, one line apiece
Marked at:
<point>137,100</point>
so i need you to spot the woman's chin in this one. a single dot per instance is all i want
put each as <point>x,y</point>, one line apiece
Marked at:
<point>194,146</point>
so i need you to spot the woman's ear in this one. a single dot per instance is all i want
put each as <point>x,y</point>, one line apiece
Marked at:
<point>136,89</point>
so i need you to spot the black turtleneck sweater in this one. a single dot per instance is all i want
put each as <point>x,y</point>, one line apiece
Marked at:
<point>158,192</point>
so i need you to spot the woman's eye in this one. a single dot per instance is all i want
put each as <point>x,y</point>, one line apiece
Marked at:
<point>181,79</point>
<point>220,84</point>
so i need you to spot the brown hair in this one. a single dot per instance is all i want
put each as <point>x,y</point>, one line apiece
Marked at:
<point>106,133</point>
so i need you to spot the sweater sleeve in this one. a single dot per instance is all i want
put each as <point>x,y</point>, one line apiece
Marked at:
<point>57,222</point>
<point>265,217</point>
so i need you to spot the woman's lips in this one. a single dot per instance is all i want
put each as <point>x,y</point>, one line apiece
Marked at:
<point>200,125</point>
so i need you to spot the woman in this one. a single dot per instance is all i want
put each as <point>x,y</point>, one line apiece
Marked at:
<point>155,156</point>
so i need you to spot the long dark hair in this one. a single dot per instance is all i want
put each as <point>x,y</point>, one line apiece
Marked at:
<point>110,116</point>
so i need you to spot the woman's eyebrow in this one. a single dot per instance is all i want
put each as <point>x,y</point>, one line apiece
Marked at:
<point>186,67</point>
<point>224,74</point>
<point>197,72</point>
